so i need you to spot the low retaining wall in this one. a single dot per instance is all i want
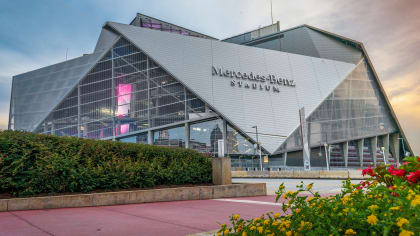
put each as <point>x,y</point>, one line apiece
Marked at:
<point>132,197</point>
<point>298,174</point>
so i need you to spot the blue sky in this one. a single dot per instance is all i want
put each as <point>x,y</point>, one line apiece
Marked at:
<point>34,34</point>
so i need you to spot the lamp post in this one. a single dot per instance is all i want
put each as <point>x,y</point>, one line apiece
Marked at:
<point>326,156</point>
<point>258,146</point>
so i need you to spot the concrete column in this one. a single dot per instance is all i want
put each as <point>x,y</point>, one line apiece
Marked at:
<point>285,158</point>
<point>187,135</point>
<point>374,145</point>
<point>346,153</point>
<point>149,137</point>
<point>221,171</point>
<point>285,154</point>
<point>395,147</point>
<point>385,141</point>
<point>360,147</point>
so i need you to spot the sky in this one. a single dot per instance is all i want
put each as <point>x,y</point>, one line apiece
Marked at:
<point>35,34</point>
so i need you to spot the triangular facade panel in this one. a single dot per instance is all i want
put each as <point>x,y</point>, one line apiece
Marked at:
<point>332,48</point>
<point>36,93</point>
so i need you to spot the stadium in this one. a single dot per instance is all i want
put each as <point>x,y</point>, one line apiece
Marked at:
<point>300,96</point>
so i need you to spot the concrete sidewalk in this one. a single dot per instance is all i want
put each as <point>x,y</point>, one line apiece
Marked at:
<point>324,186</point>
<point>164,218</point>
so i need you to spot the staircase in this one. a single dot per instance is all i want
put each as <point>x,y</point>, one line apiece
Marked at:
<point>337,156</point>
<point>353,156</point>
<point>367,157</point>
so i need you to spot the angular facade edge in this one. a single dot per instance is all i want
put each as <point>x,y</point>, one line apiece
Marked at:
<point>243,133</point>
<point>10,107</point>
<point>381,88</point>
<point>106,38</point>
<point>141,14</point>
<point>70,90</point>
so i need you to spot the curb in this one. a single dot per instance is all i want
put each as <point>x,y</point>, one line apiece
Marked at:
<point>297,174</point>
<point>133,197</point>
<point>209,233</point>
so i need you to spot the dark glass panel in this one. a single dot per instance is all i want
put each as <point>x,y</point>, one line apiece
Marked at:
<point>204,136</point>
<point>174,137</point>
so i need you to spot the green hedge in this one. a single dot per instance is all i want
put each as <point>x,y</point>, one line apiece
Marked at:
<point>33,164</point>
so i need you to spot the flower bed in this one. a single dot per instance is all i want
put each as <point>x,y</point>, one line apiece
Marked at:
<point>387,203</point>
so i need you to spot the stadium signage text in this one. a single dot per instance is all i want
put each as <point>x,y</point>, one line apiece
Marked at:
<point>252,80</point>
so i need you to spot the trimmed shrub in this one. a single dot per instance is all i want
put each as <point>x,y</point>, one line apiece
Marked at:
<point>34,164</point>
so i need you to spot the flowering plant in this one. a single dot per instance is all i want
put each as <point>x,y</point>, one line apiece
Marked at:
<point>387,203</point>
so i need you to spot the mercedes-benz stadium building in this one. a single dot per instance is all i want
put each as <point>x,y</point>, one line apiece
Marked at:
<point>158,83</point>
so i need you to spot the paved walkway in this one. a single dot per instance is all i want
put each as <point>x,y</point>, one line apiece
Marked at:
<point>164,218</point>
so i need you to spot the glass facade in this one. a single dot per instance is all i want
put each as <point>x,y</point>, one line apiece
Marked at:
<point>204,136</point>
<point>237,143</point>
<point>174,137</point>
<point>355,109</point>
<point>125,92</point>
<point>155,24</point>
<point>139,138</point>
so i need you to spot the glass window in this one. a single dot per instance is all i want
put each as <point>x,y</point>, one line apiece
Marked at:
<point>204,136</point>
<point>170,137</point>
<point>318,158</point>
<point>131,139</point>
<point>140,138</point>
<point>238,144</point>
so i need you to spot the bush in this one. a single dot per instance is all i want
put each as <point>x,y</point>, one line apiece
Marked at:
<point>33,164</point>
<point>387,203</point>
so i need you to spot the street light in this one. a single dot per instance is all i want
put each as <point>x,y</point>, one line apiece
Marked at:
<point>258,146</point>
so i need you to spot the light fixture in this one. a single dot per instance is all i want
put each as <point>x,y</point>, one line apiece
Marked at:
<point>381,126</point>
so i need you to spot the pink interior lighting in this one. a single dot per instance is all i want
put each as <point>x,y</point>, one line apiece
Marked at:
<point>124,128</point>
<point>123,99</point>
